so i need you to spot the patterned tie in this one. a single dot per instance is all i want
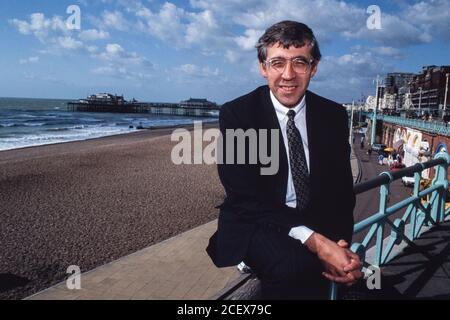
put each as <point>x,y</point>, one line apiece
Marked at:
<point>297,158</point>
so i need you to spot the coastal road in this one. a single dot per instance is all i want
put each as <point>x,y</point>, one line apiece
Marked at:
<point>367,203</point>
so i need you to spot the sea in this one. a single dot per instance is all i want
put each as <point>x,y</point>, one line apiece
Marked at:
<point>34,122</point>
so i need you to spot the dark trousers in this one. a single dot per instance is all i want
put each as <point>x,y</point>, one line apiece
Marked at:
<point>286,268</point>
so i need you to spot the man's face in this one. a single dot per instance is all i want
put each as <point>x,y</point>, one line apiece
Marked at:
<point>288,86</point>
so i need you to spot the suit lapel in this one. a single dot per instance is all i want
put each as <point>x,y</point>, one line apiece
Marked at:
<point>269,120</point>
<point>313,120</point>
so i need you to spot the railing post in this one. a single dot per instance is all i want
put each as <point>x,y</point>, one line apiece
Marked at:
<point>384,198</point>
<point>440,177</point>
<point>416,208</point>
<point>333,291</point>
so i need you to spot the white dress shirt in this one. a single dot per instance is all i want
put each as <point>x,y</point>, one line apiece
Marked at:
<point>301,233</point>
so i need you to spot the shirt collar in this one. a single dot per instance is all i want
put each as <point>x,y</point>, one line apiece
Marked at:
<point>282,111</point>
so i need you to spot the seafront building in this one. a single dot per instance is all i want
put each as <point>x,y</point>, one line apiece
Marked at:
<point>429,87</point>
<point>414,95</point>
<point>198,103</point>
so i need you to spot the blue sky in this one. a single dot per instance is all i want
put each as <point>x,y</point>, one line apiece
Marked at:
<point>169,51</point>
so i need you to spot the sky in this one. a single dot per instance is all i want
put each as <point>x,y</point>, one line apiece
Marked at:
<point>168,51</point>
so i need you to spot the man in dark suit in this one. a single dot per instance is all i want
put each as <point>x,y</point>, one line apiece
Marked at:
<point>292,227</point>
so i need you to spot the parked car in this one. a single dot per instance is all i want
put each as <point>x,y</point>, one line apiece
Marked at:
<point>378,147</point>
<point>408,181</point>
<point>396,166</point>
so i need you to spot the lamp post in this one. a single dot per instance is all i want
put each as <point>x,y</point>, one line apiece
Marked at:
<point>420,97</point>
<point>361,107</point>
<point>351,123</point>
<point>445,97</point>
<point>374,117</point>
<point>360,110</point>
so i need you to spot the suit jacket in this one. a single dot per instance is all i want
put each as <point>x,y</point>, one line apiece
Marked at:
<point>253,199</point>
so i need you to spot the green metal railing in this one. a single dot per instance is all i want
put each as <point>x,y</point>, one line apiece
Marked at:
<point>417,213</point>
<point>437,127</point>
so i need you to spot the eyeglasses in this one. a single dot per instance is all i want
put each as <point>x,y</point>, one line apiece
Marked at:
<point>299,65</point>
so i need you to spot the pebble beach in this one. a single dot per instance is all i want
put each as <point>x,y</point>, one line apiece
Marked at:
<point>87,203</point>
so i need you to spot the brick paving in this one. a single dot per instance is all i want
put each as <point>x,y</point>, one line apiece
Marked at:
<point>177,268</point>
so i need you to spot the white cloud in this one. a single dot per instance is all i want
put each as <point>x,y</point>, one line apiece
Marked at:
<point>232,56</point>
<point>130,5</point>
<point>120,73</point>
<point>326,17</point>
<point>216,27</point>
<point>29,75</point>
<point>395,31</point>
<point>415,24</point>
<point>201,26</point>
<point>122,64</point>
<point>432,16</point>
<point>388,52</point>
<point>196,71</point>
<point>39,26</point>
<point>52,32</point>
<point>93,34</point>
<point>29,60</point>
<point>184,29</point>
<point>249,40</point>
<point>115,53</point>
<point>109,71</point>
<point>114,20</point>
<point>91,49</point>
<point>114,49</point>
<point>166,25</point>
<point>348,75</point>
<point>69,43</point>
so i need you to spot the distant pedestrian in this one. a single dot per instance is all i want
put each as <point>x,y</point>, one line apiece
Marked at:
<point>362,142</point>
<point>369,151</point>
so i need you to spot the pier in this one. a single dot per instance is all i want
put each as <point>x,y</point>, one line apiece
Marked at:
<point>109,103</point>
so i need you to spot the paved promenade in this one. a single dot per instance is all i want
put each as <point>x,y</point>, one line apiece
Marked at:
<point>421,271</point>
<point>177,268</point>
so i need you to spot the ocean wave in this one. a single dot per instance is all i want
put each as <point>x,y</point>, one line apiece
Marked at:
<point>29,140</point>
<point>90,119</point>
<point>79,127</point>
<point>13,125</point>
<point>57,129</point>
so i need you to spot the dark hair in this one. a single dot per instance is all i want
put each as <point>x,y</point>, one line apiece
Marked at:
<point>288,33</point>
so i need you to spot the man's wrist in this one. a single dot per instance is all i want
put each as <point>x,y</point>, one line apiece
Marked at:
<point>318,244</point>
<point>312,242</point>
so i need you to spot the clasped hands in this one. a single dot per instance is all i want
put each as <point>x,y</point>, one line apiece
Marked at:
<point>341,265</point>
